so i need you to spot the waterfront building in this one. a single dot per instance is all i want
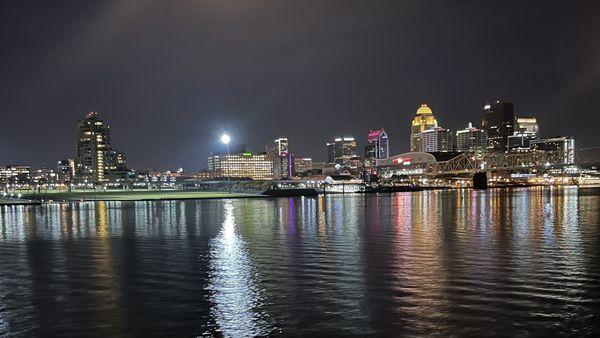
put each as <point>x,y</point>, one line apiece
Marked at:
<point>342,151</point>
<point>65,170</point>
<point>377,146</point>
<point>283,166</point>
<point>283,160</point>
<point>330,152</point>
<point>303,164</point>
<point>471,139</point>
<point>412,163</point>
<point>241,165</point>
<point>281,146</point>
<point>115,170</point>
<point>15,174</point>
<point>96,161</point>
<point>437,139</point>
<point>423,120</point>
<point>44,176</point>
<point>562,147</point>
<point>498,122</point>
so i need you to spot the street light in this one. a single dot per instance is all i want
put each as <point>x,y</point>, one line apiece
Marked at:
<point>225,139</point>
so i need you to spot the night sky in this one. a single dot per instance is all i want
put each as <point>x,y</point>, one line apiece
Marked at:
<point>170,76</point>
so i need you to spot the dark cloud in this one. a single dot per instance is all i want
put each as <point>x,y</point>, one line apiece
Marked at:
<point>168,76</point>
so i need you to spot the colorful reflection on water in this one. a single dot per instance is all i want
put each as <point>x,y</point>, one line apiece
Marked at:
<point>462,262</point>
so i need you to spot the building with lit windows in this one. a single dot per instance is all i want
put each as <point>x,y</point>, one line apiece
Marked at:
<point>437,139</point>
<point>563,147</point>
<point>65,170</point>
<point>471,139</point>
<point>283,166</point>
<point>526,130</point>
<point>528,126</point>
<point>241,166</point>
<point>345,150</point>
<point>330,152</point>
<point>518,143</point>
<point>283,160</point>
<point>422,121</point>
<point>303,164</point>
<point>377,146</point>
<point>281,146</point>
<point>96,161</point>
<point>498,122</point>
<point>44,176</point>
<point>15,174</point>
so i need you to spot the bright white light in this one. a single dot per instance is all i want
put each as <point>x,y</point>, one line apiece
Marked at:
<point>225,139</point>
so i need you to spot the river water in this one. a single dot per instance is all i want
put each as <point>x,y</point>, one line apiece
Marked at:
<point>506,262</point>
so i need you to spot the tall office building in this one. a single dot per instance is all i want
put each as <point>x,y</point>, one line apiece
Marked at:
<point>330,152</point>
<point>528,126</point>
<point>281,146</point>
<point>283,166</point>
<point>96,160</point>
<point>344,150</point>
<point>471,139</point>
<point>377,146</point>
<point>437,139</point>
<point>498,122</point>
<point>526,130</point>
<point>423,120</point>
<point>283,160</point>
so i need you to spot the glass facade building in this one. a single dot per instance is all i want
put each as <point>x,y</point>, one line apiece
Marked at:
<point>498,122</point>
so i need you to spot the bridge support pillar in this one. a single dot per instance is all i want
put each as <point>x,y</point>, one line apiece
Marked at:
<point>480,180</point>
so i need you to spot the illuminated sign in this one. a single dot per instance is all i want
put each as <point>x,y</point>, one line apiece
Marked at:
<point>402,160</point>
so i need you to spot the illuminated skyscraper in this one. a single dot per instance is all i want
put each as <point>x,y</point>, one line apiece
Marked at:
<point>471,139</point>
<point>377,146</point>
<point>498,122</point>
<point>437,139</point>
<point>345,150</point>
<point>283,160</point>
<point>330,152</point>
<point>95,160</point>
<point>528,126</point>
<point>281,146</point>
<point>526,130</point>
<point>423,120</point>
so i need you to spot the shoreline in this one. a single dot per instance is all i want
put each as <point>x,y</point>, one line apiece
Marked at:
<point>178,195</point>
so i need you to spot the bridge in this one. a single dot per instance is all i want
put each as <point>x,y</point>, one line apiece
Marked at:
<point>468,163</point>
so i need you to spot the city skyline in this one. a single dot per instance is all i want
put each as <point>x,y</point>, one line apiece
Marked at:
<point>169,94</point>
<point>257,168</point>
<point>360,142</point>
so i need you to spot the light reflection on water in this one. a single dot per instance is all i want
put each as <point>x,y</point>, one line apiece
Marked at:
<point>233,283</point>
<point>495,262</point>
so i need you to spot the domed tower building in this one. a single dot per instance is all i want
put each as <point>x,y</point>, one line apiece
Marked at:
<point>423,120</point>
